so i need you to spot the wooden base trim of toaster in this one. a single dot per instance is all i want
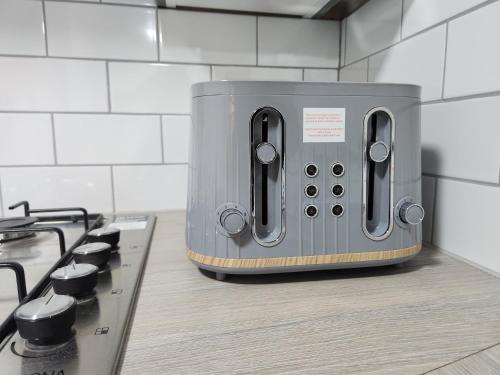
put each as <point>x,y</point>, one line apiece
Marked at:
<point>303,260</point>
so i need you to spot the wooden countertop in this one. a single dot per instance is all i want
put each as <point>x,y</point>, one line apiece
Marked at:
<point>408,319</point>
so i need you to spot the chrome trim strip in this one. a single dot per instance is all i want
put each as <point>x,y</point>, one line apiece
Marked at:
<point>282,161</point>
<point>365,161</point>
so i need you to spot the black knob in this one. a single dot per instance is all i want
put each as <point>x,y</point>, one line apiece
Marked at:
<point>96,253</point>
<point>311,211</point>
<point>311,170</point>
<point>338,190</point>
<point>46,320</point>
<point>338,169</point>
<point>74,280</point>
<point>108,235</point>
<point>337,210</point>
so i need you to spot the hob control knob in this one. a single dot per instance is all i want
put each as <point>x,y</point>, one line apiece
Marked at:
<point>46,320</point>
<point>75,279</point>
<point>379,152</point>
<point>96,253</point>
<point>265,153</point>
<point>109,235</point>
<point>411,213</point>
<point>232,221</point>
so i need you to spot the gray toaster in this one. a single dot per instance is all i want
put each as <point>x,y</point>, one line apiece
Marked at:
<point>295,176</point>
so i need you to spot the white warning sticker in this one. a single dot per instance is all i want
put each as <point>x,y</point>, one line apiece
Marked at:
<point>323,125</point>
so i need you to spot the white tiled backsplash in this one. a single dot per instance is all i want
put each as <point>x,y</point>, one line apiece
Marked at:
<point>451,49</point>
<point>95,97</point>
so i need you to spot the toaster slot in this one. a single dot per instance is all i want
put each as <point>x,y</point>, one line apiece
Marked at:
<point>378,166</point>
<point>267,176</point>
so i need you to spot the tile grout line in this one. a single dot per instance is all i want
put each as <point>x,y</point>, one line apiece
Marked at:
<point>367,69</point>
<point>445,60</point>
<point>463,180</point>
<point>88,165</point>
<point>162,142</point>
<point>256,41</point>
<point>112,180</point>
<point>341,32</point>
<point>100,2</point>
<point>463,97</point>
<point>161,62</point>
<point>45,36</point>
<point>108,87</point>
<point>158,36</point>
<point>54,144</point>
<point>459,359</point>
<point>440,23</point>
<point>98,113</point>
<point>401,23</point>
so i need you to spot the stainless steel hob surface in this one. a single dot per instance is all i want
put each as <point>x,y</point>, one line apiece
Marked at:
<point>94,342</point>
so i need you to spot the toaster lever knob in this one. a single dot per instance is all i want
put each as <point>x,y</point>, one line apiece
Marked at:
<point>233,221</point>
<point>265,153</point>
<point>379,152</point>
<point>411,213</point>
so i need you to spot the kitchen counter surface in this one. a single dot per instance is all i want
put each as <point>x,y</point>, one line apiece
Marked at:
<point>408,319</point>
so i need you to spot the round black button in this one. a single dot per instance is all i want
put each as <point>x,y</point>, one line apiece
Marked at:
<point>311,191</point>
<point>337,210</point>
<point>337,190</point>
<point>311,170</point>
<point>311,211</point>
<point>338,169</point>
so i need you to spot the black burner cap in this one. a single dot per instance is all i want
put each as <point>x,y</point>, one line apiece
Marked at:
<point>17,222</point>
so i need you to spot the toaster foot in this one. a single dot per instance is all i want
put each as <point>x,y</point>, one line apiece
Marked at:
<point>219,276</point>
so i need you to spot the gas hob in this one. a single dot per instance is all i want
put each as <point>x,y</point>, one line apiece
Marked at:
<point>67,305</point>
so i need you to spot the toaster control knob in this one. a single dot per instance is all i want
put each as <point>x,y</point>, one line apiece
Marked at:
<point>232,221</point>
<point>379,152</point>
<point>265,153</point>
<point>411,213</point>
<point>46,320</point>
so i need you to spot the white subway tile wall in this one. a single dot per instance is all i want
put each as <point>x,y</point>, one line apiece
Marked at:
<point>106,31</point>
<point>47,84</point>
<point>245,73</point>
<point>88,187</point>
<point>107,139</point>
<point>95,95</point>
<point>473,61</point>
<point>461,139</point>
<point>21,28</point>
<point>298,42</point>
<point>176,138</point>
<point>421,14</point>
<point>158,88</point>
<point>357,72</point>
<point>467,221</point>
<point>26,138</point>
<point>372,27</point>
<point>321,75</point>
<point>150,187</point>
<point>419,60</point>
<point>207,38</point>
<point>450,48</point>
